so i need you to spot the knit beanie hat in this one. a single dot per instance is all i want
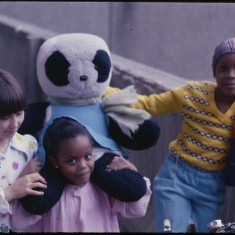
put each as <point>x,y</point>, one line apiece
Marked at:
<point>225,47</point>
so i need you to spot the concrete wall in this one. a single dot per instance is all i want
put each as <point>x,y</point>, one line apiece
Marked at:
<point>19,43</point>
<point>23,41</point>
<point>178,38</point>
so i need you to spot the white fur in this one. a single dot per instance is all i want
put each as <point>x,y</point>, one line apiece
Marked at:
<point>79,49</point>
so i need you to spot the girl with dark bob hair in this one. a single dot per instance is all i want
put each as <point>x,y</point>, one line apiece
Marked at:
<point>16,151</point>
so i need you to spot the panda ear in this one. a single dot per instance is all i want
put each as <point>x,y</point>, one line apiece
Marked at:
<point>102,64</point>
<point>56,68</point>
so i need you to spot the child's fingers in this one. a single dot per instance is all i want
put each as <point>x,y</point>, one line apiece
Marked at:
<point>35,177</point>
<point>35,164</point>
<point>38,185</point>
<point>36,161</point>
<point>36,192</point>
<point>119,163</point>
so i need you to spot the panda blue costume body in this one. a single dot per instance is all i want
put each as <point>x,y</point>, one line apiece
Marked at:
<point>74,70</point>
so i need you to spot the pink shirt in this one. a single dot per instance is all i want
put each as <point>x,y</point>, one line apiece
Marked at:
<point>86,209</point>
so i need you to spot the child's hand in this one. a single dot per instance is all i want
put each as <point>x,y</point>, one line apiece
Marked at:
<point>119,163</point>
<point>32,166</point>
<point>24,186</point>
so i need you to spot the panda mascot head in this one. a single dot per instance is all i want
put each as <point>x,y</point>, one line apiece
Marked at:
<point>74,66</point>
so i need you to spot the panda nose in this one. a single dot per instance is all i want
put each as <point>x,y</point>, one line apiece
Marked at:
<point>83,78</point>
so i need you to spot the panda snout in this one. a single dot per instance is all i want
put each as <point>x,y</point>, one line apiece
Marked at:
<point>83,78</point>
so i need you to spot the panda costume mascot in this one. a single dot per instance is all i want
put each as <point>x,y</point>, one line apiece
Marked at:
<point>74,71</point>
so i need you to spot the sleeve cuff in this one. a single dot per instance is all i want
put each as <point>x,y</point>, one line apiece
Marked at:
<point>4,205</point>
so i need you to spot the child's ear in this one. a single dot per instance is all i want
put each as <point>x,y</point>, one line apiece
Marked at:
<point>54,162</point>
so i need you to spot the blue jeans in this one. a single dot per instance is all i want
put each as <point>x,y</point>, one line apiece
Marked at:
<point>182,192</point>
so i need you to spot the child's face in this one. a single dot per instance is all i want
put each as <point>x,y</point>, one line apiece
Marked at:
<point>75,160</point>
<point>225,74</point>
<point>9,125</point>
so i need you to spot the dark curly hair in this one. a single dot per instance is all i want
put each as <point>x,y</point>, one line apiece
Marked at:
<point>61,129</point>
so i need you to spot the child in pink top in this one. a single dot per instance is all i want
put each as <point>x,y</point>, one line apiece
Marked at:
<point>83,207</point>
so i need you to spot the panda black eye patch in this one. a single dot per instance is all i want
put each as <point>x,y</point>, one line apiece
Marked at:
<point>102,64</point>
<point>57,69</point>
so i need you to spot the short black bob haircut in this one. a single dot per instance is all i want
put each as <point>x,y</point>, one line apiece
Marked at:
<point>12,96</point>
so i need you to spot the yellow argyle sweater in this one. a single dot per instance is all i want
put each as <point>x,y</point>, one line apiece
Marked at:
<point>204,138</point>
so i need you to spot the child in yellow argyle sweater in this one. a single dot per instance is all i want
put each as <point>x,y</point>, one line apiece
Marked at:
<point>190,183</point>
